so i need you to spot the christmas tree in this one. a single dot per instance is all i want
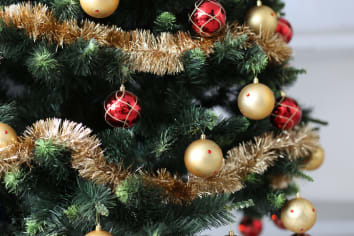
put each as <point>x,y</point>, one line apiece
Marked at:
<point>154,117</point>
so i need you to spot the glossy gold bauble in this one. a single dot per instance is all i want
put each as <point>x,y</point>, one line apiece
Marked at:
<point>314,161</point>
<point>256,101</point>
<point>7,135</point>
<point>203,158</point>
<point>262,19</point>
<point>99,8</point>
<point>298,215</point>
<point>99,232</point>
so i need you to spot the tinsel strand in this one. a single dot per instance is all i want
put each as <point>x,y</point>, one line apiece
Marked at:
<point>159,55</point>
<point>88,158</point>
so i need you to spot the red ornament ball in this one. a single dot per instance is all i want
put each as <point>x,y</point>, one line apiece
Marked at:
<point>250,227</point>
<point>284,29</point>
<point>208,17</point>
<point>286,114</point>
<point>277,221</point>
<point>122,109</point>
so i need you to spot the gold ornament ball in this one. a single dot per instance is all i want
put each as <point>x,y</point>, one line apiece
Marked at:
<point>314,161</point>
<point>298,215</point>
<point>262,18</point>
<point>256,101</point>
<point>7,135</point>
<point>203,158</point>
<point>99,8</point>
<point>99,232</point>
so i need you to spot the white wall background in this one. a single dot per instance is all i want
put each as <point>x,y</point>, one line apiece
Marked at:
<point>324,45</point>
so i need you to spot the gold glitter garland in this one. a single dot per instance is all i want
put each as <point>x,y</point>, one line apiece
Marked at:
<point>147,53</point>
<point>88,158</point>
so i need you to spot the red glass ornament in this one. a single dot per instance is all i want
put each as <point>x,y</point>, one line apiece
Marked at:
<point>285,30</point>
<point>208,17</point>
<point>277,221</point>
<point>286,114</point>
<point>122,109</point>
<point>250,227</point>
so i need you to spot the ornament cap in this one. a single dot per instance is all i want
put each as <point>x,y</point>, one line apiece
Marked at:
<point>231,233</point>
<point>259,3</point>
<point>282,94</point>
<point>98,227</point>
<point>298,195</point>
<point>203,136</point>
<point>256,80</point>
<point>122,88</point>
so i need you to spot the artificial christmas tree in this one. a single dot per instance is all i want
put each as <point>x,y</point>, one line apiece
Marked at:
<point>81,153</point>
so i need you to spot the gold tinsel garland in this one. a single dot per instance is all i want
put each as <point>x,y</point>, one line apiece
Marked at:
<point>88,158</point>
<point>147,53</point>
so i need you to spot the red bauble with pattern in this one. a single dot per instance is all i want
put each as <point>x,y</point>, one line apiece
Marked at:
<point>286,114</point>
<point>122,109</point>
<point>208,17</point>
<point>285,30</point>
<point>250,227</point>
<point>277,221</point>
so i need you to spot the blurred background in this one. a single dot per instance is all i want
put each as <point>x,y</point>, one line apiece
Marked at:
<point>324,46</point>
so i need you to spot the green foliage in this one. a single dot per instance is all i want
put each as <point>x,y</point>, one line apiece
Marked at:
<point>13,44</point>
<point>166,22</point>
<point>194,62</point>
<point>72,212</point>
<point>164,143</point>
<point>33,227</point>
<point>230,50</point>
<point>67,9</point>
<point>242,205</point>
<point>43,65</point>
<point>12,181</point>
<point>133,193</point>
<point>51,157</point>
<point>8,113</point>
<point>193,120</point>
<point>85,55</point>
<point>91,198</point>
<point>237,124</point>
<point>277,200</point>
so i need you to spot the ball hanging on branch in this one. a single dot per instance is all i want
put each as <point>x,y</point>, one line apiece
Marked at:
<point>208,18</point>
<point>298,215</point>
<point>256,101</point>
<point>7,135</point>
<point>99,8</point>
<point>284,29</point>
<point>250,227</point>
<point>315,160</point>
<point>261,19</point>
<point>277,221</point>
<point>122,109</point>
<point>203,157</point>
<point>286,114</point>
<point>99,232</point>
